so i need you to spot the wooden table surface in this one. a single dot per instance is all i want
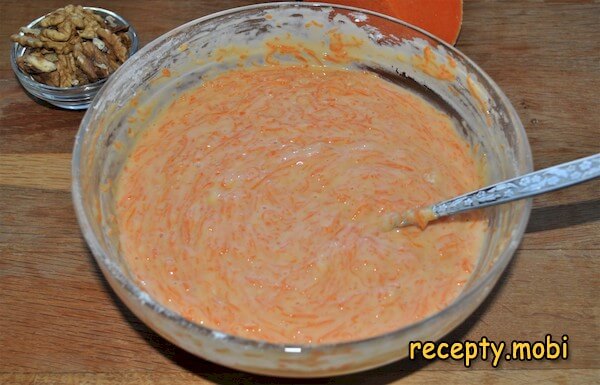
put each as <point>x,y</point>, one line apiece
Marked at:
<point>61,323</point>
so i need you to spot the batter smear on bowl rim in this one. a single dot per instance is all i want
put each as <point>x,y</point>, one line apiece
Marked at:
<point>250,205</point>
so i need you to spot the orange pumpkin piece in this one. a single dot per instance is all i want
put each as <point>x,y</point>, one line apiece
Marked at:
<point>442,18</point>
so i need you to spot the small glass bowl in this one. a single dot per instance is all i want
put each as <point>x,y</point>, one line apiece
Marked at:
<point>71,98</point>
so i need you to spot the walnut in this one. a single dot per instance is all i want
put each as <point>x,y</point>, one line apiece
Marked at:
<point>84,63</point>
<point>59,48</point>
<point>90,27</point>
<point>30,31</point>
<point>80,76</point>
<point>78,21</point>
<point>115,44</point>
<point>125,38</point>
<point>37,63</point>
<point>73,46</point>
<point>27,41</point>
<point>63,33</point>
<point>111,22</point>
<point>21,64</point>
<point>99,44</point>
<point>103,66</point>
<point>51,57</point>
<point>66,70</point>
<point>53,19</point>
<point>88,33</point>
<point>50,78</point>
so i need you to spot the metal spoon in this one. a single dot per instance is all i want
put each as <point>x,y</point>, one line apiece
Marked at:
<point>528,185</point>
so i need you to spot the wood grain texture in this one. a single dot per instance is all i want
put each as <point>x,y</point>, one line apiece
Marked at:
<point>61,323</point>
<point>45,171</point>
<point>492,377</point>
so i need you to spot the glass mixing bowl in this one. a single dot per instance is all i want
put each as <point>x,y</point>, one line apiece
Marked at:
<point>393,49</point>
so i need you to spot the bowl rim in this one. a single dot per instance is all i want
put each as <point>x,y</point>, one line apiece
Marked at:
<point>116,272</point>
<point>74,89</point>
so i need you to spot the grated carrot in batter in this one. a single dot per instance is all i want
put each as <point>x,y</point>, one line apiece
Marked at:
<point>250,204</point>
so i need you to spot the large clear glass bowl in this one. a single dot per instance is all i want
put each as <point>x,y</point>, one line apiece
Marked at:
<point>482,111</point>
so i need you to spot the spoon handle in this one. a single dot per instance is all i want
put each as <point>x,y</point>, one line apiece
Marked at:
<point>528,185</point>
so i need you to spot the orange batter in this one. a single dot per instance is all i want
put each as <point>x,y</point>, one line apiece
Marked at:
<point>250,206</point>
